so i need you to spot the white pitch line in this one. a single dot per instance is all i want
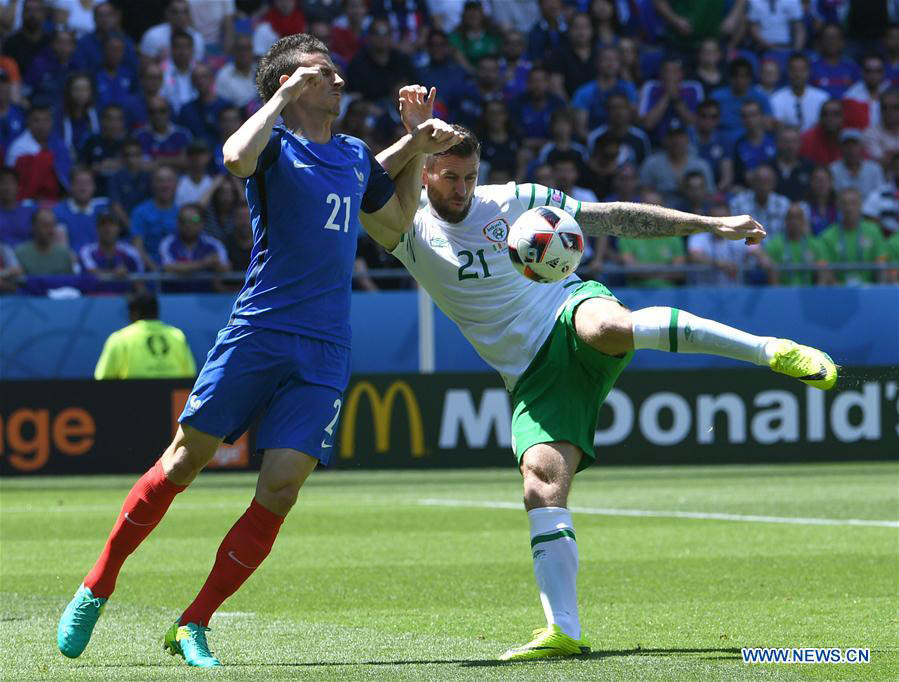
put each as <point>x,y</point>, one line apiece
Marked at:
<point>714,516</point>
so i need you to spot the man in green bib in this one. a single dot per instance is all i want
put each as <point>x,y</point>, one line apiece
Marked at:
<point>796,247</point>
<point>854,240</point>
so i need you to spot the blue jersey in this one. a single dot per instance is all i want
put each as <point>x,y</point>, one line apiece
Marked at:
<point>304,202</point>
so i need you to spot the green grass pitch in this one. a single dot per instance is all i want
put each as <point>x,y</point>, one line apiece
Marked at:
<point>366,582</point>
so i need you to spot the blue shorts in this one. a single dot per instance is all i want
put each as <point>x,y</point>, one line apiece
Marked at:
<point>294,383</point>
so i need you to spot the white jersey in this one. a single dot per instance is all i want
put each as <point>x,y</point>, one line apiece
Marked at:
<point>466,269</point>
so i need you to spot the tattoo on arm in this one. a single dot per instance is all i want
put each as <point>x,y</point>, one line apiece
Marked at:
<point>641,221</point>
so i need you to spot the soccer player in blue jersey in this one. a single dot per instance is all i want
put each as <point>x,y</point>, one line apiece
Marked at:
<point>284,355</point>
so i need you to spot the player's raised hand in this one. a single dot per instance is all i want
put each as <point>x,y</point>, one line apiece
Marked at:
<point>434,136</point>
<point>416,105</point>
<point>739,227</point>
<point>301,80</point>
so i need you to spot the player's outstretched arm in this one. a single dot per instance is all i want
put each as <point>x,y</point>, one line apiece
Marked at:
<point>387,225</point>
<point>645,221</point>
<point>241,151</point>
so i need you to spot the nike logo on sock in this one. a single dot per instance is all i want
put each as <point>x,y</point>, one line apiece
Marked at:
<point>137,523</point>
<point>231,556</point>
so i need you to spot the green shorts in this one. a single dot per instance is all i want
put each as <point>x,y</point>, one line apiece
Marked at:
<point>559,395</point>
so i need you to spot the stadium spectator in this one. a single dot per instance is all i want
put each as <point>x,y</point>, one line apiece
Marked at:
<point>12,116</point>
<point>605,22</point>
<point>215,22</point>
<point>547,33</point>
<point>10,270</point>
<point>534,108</point>
<point>625,184</point>
<point>91,46</point>
<point>761,201</point>
<point>573,63</point>
<point>500,147</point>
<point>853,240</point>
<point>769,77</point>
<point>40,158</point>
<point>473,37</point>
<point>606,157</point>
<point>43,254</point>
<point>756,146</point>
<point>76,15</point>
<point>115,80</point>
<point>78,214</point>
<point>78,118</point>
<point>631,68</point>
<point>890,51</point>
<point>821,200</point>
<point>708,71</point>
<point>48,73</point>
<point>10,68</point>
<point>31,39</point>
<point>619,126</point>
<point>240,241</point>
<point>667,98</point>
<point>467,106</point>
<point>236,81</point>
<point>712,145</point>
<point>195,185</point>
<point>691,24</point>
<point>514,65</point>
<point>853,169</point>
<point>15,215</point>
<point>793,172</point>
<point>149,86</point>
<point>442,71</point>
<point>591,100</point>
<point>200,115</point>
<point>821,143</point>
<point>795,247</point>
<point>131,184</point>
<point>832,71</point>
<point>892,247</point>
<point>881,205</point>
<point>285,17</point>
<point>189,251</point>
<point>349,27</point>
<point>154,219</point>
<point>357,121</point>
<point>147,348</point>
<point>409,19</point>
<point>378,66</point>
<point>177,87</point>
<point>229,120</point>
<point>882,140</point>
<point>694,194</point>
<point>663,170</point>
<point>662,251</point>
<point>738,91</point>
<point>798,103</point>
<point>726,260</point>
<point>162,140</point>
<point>157,40</point>
<point>109,256</point>
<point>102,152</point>
<point>776,24</point>
<point>218,218</point>
<point>861,102</point>
<point>561,131</point>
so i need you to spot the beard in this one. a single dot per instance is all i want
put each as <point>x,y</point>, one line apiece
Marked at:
<point>444,211</point>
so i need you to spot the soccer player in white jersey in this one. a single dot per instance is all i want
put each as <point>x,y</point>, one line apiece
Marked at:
<point>559,347</point>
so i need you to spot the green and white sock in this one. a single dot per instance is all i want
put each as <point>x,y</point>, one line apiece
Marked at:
<point>554,549</point>
<point>677,331</point>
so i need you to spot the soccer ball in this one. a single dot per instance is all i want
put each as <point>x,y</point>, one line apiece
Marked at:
<point>545,244</point>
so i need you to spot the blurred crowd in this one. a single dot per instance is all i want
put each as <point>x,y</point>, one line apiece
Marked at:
<point>113,115</point>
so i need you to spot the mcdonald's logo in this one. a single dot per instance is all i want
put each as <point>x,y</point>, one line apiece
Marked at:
<point>381,410</point>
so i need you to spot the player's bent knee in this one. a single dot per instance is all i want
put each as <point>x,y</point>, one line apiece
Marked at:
<point>189,452</point>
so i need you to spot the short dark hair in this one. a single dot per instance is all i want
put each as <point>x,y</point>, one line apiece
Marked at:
<point>709,104</point>
<point>107,217</point>
<point>143,306</point>
<point>467,146</point>
<point>799,57</point>
<point>180,34</point>
<point>284,58</point>
<point>738,64</point>
<point>11,172</point>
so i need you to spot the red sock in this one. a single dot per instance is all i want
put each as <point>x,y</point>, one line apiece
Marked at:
<point>242,551</point>
<point>144,507</point>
